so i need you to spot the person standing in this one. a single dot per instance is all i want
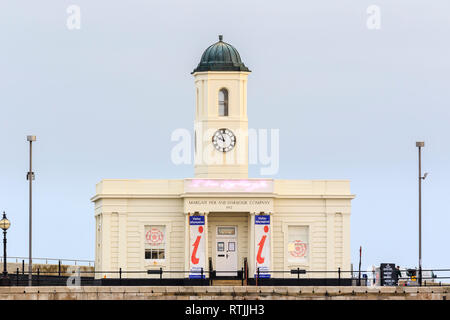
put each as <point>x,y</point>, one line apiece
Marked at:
<point>398,274</point>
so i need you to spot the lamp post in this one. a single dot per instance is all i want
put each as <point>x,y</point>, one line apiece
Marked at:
<point>420,145</point>
<point>30,178</point>
<point>5,224</point>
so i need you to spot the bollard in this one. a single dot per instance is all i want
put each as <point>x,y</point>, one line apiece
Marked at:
<point>38,276</point>
<point>120,276</point>
<point>17,277</point>
<point>420,276</point>
<point>59,268</point>
<point>257,277</point>
<point>23,267</point>
<point>210,271</point>
<point>242,276</point>
<point>339,276</point>
<point>246,271</point>
<point>160,274</point>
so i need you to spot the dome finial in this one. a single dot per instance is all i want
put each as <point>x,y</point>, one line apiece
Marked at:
<point>221,56</point>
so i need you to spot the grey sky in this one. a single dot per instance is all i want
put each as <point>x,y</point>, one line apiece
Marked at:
<point>349,102</point>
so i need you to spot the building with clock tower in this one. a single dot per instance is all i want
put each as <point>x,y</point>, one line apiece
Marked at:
<point>221,224</point>
<point>221,113</point>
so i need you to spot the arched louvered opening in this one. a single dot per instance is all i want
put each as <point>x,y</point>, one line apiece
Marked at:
<point>223,102</point>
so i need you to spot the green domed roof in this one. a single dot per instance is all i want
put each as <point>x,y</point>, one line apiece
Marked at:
<point>221,56</point>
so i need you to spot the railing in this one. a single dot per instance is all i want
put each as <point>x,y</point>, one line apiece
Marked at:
<point>411,278</point>
<point>76,262</point>
<point>277,277</point>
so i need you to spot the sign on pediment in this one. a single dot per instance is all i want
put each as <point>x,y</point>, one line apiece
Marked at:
<point>228,205</point>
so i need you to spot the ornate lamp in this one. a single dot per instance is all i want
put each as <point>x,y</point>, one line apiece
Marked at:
<point>5,224</point>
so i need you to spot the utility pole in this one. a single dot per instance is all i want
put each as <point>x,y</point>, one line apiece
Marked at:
<point>420,145</point>
<point>30,178</point>
<point>359,268</point>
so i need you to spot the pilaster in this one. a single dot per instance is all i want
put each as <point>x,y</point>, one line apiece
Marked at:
<point>251,259</point>
<point>330,215</point>
<point>123,245</point>
<point>205,214</point>
<point>187,231</point>
<point>106,242</point>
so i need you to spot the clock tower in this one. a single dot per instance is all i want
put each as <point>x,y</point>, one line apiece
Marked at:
<point>221,124</point>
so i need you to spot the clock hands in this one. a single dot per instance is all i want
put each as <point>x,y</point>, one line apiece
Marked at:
<point>227,139</point>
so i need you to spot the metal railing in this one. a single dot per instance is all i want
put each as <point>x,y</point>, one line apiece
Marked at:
<point>76,262</point>
<point>206,277</point>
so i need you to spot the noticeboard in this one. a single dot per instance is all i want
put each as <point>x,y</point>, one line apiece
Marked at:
<point>388,274</point>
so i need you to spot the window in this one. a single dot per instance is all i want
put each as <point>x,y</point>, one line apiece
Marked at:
<point>298,246</point>
<point>155,242</point>
<point>223,102</point>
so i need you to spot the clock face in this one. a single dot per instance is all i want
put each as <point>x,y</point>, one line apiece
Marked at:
<point>224,140</point>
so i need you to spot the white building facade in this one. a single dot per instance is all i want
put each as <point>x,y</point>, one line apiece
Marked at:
<point>221,218</point>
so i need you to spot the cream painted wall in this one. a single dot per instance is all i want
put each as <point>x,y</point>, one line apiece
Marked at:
<point>124,207</point>
<point>208,162</point>
<point>327,249</point>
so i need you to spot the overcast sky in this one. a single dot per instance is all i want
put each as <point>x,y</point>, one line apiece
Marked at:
<point>349,101</point>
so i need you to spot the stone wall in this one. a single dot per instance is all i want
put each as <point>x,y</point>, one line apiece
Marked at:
<point>223,293</point>
<point>50,269</point>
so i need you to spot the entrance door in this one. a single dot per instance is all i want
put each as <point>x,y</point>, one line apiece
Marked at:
<point>226,251</point>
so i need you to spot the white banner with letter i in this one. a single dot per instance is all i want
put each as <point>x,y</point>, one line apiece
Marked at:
<point>197,247</point>
<point>262,245</point>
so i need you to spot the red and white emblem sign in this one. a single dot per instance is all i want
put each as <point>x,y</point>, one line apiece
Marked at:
<point>154,237</point>
<point>299,249</point>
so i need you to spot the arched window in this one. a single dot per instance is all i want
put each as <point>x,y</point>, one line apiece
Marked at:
<point>223,102</point>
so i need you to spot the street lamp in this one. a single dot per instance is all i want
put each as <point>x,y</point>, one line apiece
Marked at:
<point>420,145</point>
<point>30,178</point>
<point>5,224</point>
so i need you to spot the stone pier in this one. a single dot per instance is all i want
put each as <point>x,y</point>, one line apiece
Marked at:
<point>222,293</point>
